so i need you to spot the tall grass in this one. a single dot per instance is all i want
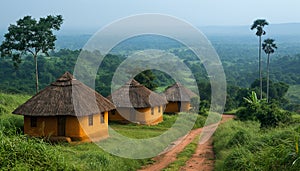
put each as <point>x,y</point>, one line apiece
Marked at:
<point>18,152</point>
<point>9,102</point>
<point>244,146</point>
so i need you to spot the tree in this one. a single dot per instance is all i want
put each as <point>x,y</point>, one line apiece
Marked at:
<point>259,26</point>
<point>30,36</point>
<point>147,79</point>
<point>269,47</point>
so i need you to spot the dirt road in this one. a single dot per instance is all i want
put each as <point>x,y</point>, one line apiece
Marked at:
<point>203,159</point>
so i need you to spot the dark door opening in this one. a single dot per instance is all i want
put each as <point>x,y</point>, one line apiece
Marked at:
<point>61,126</point>
<point>179,106</point>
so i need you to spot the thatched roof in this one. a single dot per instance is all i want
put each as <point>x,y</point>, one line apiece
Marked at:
<point>178,92</point>
<point>65,96</point>
<point>134,94</point>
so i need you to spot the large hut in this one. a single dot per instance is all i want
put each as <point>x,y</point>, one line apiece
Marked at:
<point>179,98</point>
<point>66,109</point>
<point>137,104</point>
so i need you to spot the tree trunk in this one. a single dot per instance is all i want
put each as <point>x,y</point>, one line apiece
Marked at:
<point>260,70</point>
<point>268,78</point>
<point>36,74</point>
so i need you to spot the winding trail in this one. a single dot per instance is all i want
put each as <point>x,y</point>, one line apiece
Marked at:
<point>203,159</point>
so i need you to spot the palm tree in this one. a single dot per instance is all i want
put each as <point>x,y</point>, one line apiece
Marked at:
<point>269,47</point>
<point>259,26</point>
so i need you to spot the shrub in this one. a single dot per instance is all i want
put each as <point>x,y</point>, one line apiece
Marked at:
<point>247,113</point>
<point>268,114</point>
<point>271,116</point>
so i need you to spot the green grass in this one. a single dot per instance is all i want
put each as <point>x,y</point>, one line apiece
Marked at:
<point>9,102</point>
<point>184,155</point>
<point>89,156</point>
<point>144,131</point>
<point>244,146</point>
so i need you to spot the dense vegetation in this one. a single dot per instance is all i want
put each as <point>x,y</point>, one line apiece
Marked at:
<point>245,146</point>
<point>64,60</point>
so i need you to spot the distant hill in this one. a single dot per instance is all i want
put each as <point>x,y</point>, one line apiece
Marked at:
<point>286,29</point>
<point>283,33</point>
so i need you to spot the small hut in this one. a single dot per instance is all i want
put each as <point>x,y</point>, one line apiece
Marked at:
<point>67,109</point>
<point>179,98</point>
<point>137,104</point>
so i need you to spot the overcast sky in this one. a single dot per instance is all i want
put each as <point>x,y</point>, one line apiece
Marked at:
<point>94,14</point>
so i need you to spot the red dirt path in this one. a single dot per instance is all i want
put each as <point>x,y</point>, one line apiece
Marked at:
<point>203,159</point>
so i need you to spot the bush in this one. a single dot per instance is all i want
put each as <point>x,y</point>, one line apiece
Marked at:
<point>247,113</point>
<point>272,116</point>
<point>269,115</point>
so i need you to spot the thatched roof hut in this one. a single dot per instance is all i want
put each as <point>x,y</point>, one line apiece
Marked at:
<point>179,98</point>
<point>66,109</point>
<point>139,96</point>
<point>65,96</point>
<point>178,92</point>
<point>137,104</point>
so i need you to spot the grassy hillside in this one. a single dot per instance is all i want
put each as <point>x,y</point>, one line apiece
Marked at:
<point>8,102</point>
<point>293,94</point>
<point>244,146</point>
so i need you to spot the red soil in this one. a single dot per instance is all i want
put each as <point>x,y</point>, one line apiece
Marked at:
<point>203,159</point>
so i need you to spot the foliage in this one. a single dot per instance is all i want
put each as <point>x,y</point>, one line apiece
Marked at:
<point>30,36</point>
<point>147,79</point>
<point>18,152</point>
<point>252,107</point>
<point>259,26</point>
<point>269,115</point>
<point>278,90</point>
<point>268,149</point>
<point>293,95</point>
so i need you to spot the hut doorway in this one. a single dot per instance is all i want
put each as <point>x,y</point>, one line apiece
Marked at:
<point>179,106</point>
<point>61,125</point>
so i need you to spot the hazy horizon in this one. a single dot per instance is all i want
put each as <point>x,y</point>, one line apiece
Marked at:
<point>94,14</point>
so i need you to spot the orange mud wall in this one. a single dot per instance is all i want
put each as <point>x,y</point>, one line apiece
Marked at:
<point>76,128</point>
<point>173,107</point>
<point>139,115</point>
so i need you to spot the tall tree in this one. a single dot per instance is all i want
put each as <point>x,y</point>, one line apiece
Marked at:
<point>147,78</point>
<point>269,47</point>
<point>259,26</point>
<point>30,36</point>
